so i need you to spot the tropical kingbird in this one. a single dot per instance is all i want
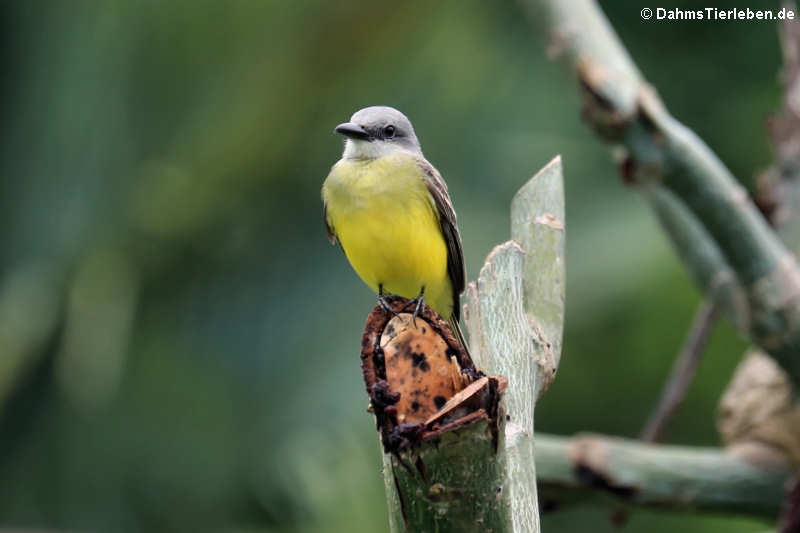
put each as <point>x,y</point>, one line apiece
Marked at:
<point>390,211</point>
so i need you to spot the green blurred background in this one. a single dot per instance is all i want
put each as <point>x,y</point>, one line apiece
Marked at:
<point>174,355</point>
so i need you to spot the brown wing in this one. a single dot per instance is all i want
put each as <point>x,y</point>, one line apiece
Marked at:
<point>328,228</point>
<point>447,220</point>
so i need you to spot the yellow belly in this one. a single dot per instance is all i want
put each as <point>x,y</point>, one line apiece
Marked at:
<point>386,222</point>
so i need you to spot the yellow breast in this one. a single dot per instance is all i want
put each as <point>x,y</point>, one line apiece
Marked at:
<point>387,224</point>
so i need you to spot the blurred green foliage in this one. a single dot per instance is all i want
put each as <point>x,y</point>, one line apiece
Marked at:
<point>179,344</point>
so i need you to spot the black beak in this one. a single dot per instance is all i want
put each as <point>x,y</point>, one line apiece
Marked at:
<point>353,131</point>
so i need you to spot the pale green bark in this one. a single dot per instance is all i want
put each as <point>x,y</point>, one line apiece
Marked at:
<point>658,151</point>
<point>681,478</point>
<point>472,481</point>
<point>515,323</point>
<point>460,489</point>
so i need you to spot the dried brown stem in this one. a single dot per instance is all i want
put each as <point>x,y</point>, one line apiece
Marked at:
<point>683,370</point>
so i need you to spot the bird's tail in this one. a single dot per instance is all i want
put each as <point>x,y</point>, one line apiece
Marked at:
<point>453,321</point>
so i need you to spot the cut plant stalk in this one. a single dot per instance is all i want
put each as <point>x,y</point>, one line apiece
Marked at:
<point>458,444</point>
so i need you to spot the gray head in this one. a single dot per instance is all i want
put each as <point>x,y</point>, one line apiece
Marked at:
<point>378,131</point>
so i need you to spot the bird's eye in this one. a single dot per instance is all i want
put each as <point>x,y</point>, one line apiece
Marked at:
<point>388,131</point>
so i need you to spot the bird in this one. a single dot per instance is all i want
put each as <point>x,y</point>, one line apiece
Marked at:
<point>389,210</point>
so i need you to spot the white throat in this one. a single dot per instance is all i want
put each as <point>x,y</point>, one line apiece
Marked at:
<point>361,149</point>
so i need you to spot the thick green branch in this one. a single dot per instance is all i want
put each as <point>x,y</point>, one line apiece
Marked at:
<point>514,314</point>
<point>699,253</point>
<point>661,152</point>
<point>468,465</point>
<point>671,477</point>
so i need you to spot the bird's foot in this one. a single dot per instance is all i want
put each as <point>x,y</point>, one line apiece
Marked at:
<point>385,301</point>
<point>386,304</point>
<point>418,303</point>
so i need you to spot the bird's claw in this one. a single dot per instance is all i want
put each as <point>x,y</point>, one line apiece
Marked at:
<point>418,304</point>
<point>385,304</point>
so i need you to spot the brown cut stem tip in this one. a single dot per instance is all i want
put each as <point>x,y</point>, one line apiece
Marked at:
<point>419,378</point>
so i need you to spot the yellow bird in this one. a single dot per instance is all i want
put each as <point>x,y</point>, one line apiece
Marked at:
<point>390,211</point>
